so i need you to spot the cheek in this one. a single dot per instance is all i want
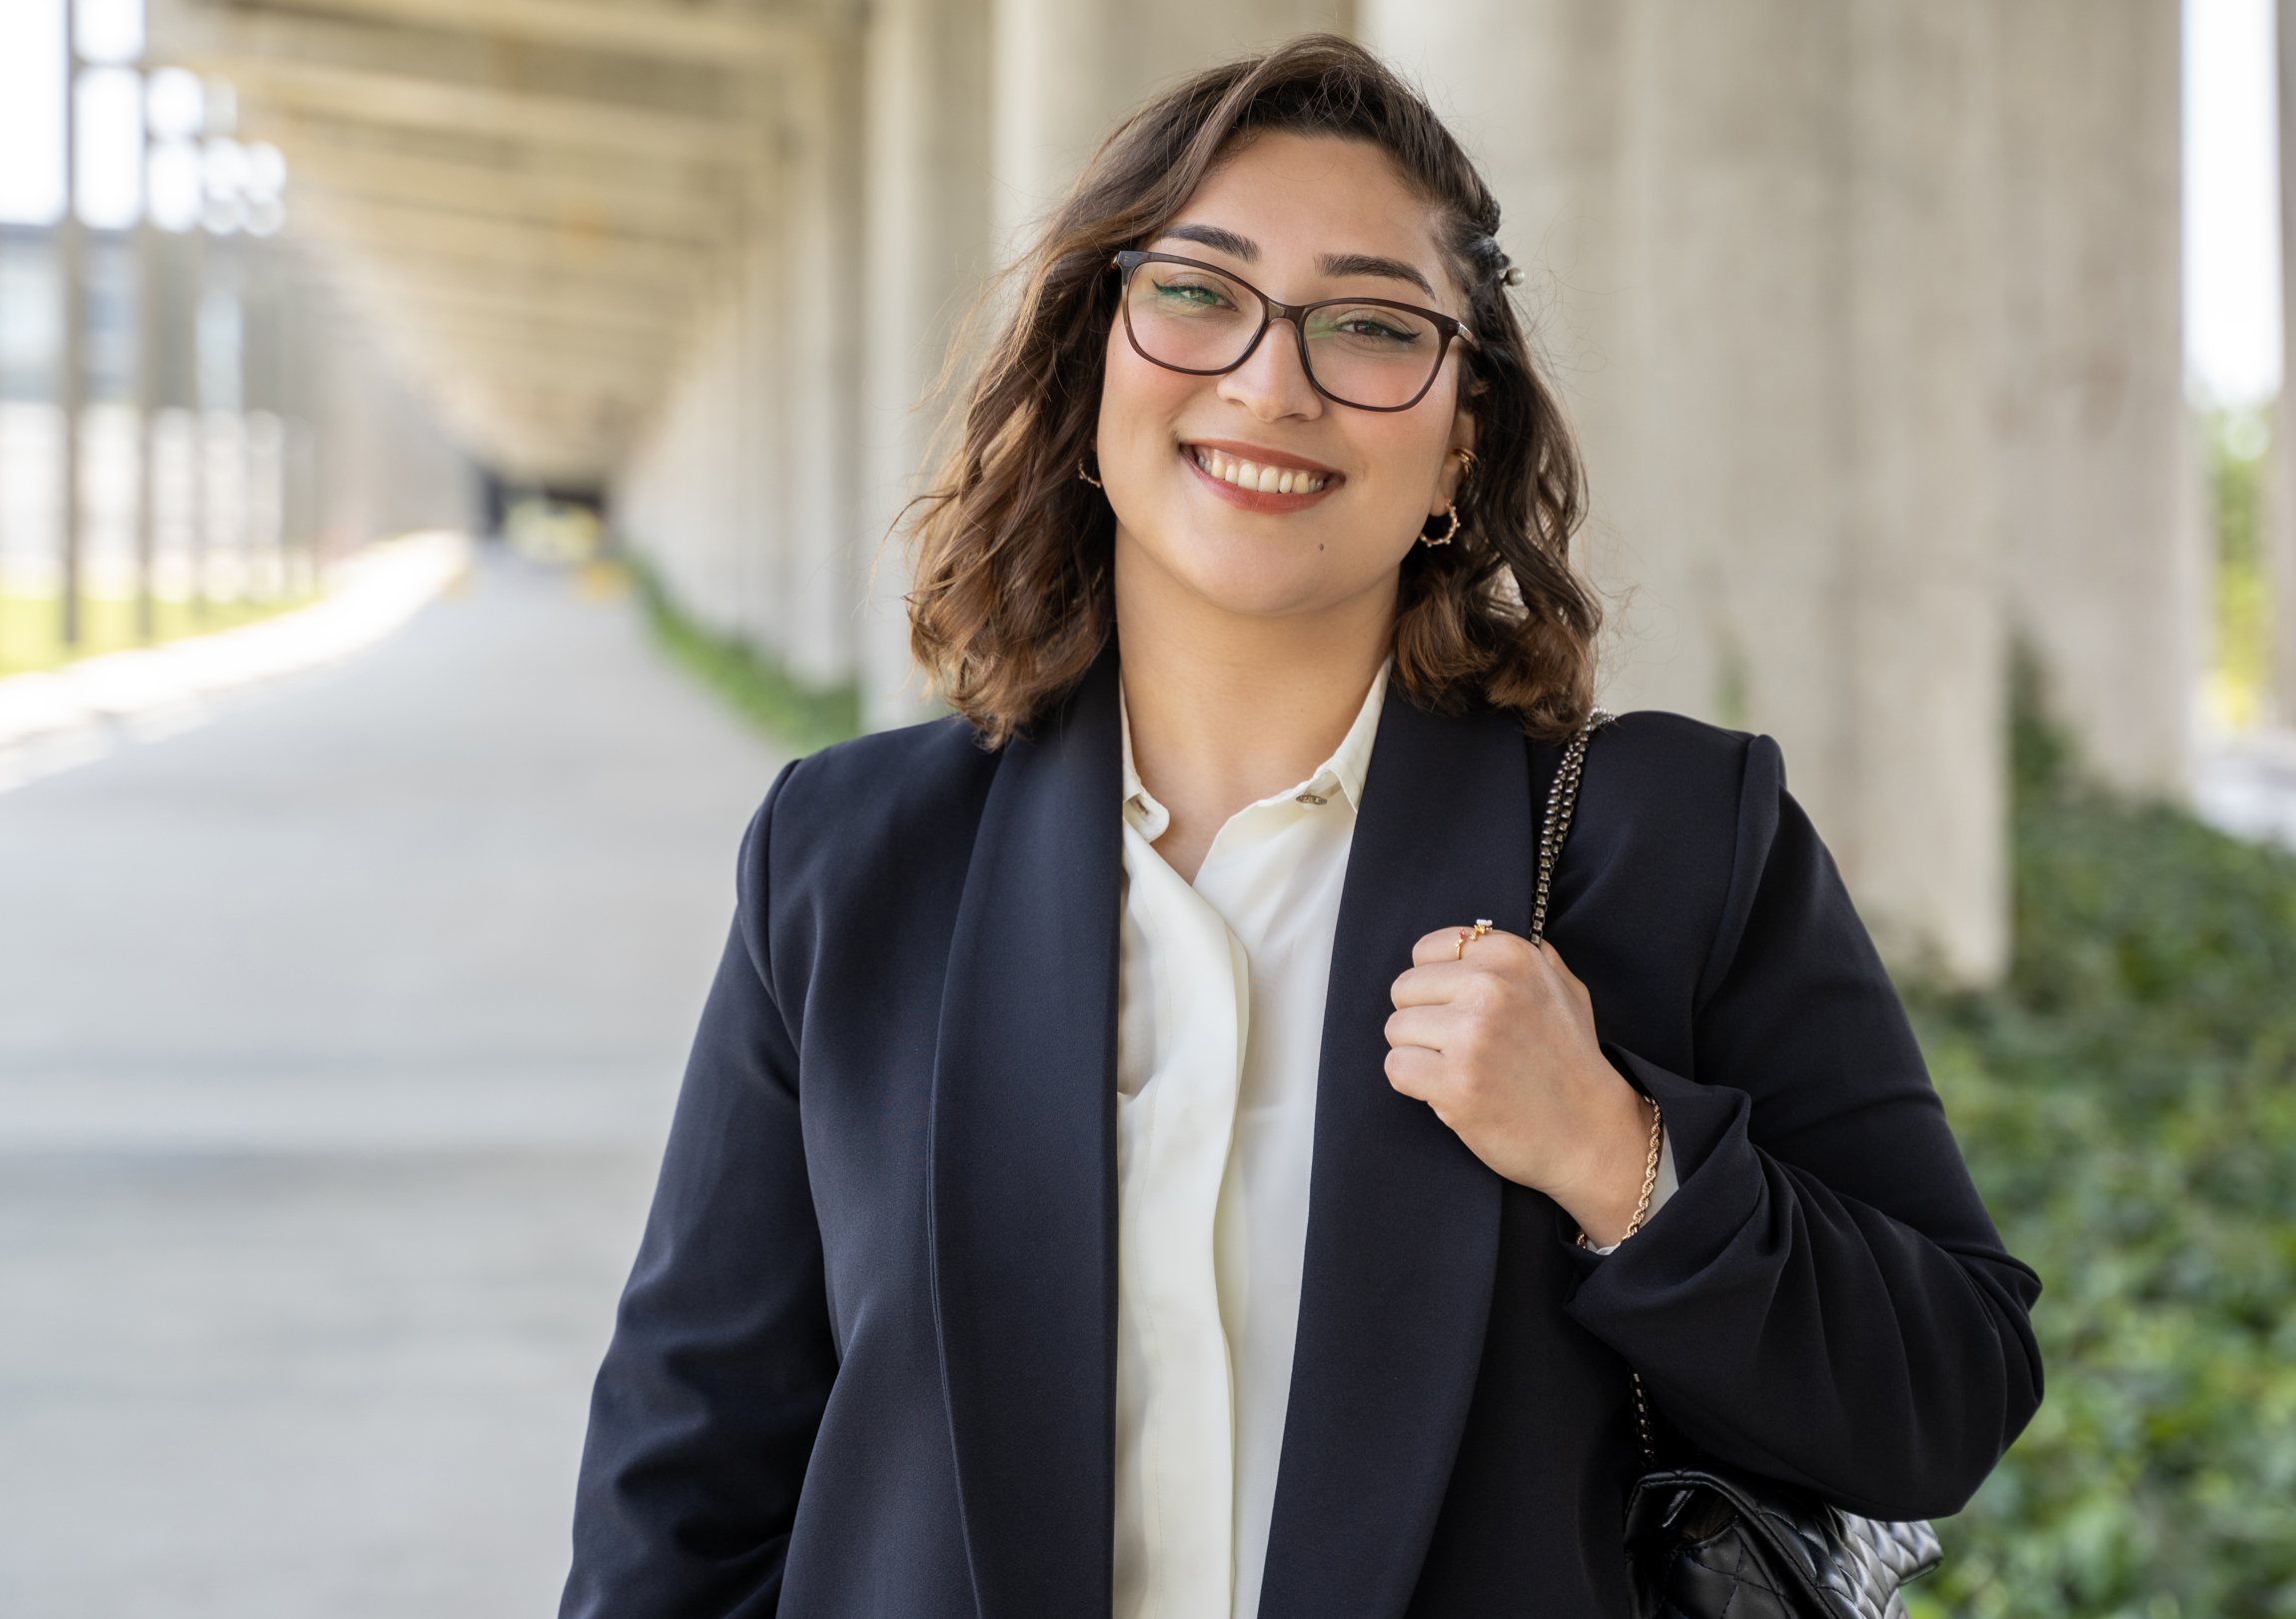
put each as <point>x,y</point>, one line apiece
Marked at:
<point>1401,460</point>
<point>1138,402</point>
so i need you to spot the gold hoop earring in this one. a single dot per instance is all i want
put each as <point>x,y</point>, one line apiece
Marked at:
<point>1087,477</point>
<point>1466,463</point>
<point>1430,540</point>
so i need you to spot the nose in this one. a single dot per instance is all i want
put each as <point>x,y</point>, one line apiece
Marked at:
<point>1271,382</point>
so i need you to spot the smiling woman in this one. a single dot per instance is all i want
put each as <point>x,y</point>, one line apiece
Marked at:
<point>1298,157</point>
<point>1145,1152</point>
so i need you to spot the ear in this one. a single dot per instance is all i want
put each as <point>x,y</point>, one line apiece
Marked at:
<point>1454,465</point>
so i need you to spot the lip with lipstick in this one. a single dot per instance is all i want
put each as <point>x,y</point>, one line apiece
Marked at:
<point>1259,480</point>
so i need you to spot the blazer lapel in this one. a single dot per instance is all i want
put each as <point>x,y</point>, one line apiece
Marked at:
<point>1403,1221</point>
<point>1024,1196</point>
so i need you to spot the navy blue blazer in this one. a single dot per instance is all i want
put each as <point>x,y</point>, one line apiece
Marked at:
<point>865,1363</point>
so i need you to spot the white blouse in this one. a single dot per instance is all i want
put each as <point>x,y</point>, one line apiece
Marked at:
<point>1219,1030</point>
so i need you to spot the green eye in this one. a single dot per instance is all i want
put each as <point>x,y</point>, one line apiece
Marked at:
<point>1370,329</point>
<point>1181,295</point>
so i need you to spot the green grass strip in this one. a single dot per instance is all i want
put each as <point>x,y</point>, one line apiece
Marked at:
<point>801,717</point>
<point>32,626</point>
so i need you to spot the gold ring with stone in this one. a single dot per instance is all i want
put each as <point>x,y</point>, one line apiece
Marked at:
<point>1467,935</point>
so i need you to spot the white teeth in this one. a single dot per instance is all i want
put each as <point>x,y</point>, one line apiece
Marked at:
<point>1267,479</point>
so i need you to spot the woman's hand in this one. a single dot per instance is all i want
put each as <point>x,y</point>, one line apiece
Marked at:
<point>1500,1044</point>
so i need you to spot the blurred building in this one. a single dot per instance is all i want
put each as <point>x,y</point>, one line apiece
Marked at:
<point>234,429</point>
<point>1868,314</point>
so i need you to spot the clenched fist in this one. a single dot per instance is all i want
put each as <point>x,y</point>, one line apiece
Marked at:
<point>1500,1044</point>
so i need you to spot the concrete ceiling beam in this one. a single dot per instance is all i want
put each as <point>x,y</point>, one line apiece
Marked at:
<point>677,32</point>
<point>521,427</point>
<point>500,356</point>
<point>544,431</point>
<point>478,339</point>
<point>549,166</point>
<point>507,254</point>
<point>615,319</point>
<point>513,243</point>
<point>724,88</point>
<point>437,104</point>
<point>364,174</point>
<point>573,381</point>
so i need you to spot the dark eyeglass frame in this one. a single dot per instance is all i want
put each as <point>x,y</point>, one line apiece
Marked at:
<point>1271,311</point>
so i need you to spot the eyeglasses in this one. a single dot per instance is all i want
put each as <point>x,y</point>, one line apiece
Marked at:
<point>1365,353</point>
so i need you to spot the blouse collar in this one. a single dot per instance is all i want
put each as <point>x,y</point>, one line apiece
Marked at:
<point>1341,776</point>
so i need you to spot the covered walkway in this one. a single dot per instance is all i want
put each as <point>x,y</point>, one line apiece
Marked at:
<point>337,1040</point>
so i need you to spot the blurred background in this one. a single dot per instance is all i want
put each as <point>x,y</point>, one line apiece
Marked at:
<point>445,452</point>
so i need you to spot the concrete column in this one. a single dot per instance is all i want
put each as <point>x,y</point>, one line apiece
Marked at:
<point>1920,765</point>
<point>2103,523</point>
<point>2282,532</point>
<point>758,472</point>
<point>674,499</point>
<point>926,253</point>
<point>1753,233</point>
<point>1067,70</point>
<point>822,315</point>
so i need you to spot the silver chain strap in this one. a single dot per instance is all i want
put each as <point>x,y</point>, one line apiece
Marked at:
<point>1561,799</point>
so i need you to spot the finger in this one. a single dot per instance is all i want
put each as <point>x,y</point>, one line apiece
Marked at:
<point>1445,944</point>
<point>1434,985</point>
<point>1429,1028</point>
<point>1416,1073</point>
<point>1575,994</point>
<point>1440,945</point>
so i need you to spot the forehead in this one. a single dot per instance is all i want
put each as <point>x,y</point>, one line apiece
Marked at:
<point>1300,197</point>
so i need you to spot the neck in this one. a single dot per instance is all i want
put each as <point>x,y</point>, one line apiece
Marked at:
<point>1227,709</point>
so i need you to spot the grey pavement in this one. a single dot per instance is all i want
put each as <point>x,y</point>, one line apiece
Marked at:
<point>2246,785</point>
<point>337,1041</point>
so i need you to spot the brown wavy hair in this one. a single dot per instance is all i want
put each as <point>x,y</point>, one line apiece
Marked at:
<point>1013,553</point>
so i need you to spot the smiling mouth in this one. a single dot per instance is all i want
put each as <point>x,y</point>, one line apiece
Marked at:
<point>1251,474</point>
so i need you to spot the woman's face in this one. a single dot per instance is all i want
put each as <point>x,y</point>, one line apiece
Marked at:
<point>1301,218</point>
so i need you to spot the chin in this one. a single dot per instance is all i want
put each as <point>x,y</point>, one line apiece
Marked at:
<point>1258,576</point>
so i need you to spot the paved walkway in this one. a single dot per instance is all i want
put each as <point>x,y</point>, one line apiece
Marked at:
<point>2247,786</point>
<point>337,1038</point>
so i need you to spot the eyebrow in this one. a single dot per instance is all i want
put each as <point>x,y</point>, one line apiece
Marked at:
<point>1336,265</point>
<point>1341,264</point>
<point>1218,239</point>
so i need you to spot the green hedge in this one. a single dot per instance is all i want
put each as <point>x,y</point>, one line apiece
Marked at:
<point>2127,1101</point>
<point>799,715</point>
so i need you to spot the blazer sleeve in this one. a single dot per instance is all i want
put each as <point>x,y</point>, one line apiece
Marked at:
<point>1824,1301</point>
<point>713,1388</point>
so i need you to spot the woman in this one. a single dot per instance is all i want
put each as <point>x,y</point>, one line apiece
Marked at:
<point>1118,1170</point>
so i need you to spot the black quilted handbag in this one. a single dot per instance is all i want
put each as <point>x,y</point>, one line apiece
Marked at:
<point>1706,1542</point>
<point>1703,1542</point>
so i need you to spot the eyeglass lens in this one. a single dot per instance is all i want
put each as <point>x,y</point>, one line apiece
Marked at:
<point>1197,320</point>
